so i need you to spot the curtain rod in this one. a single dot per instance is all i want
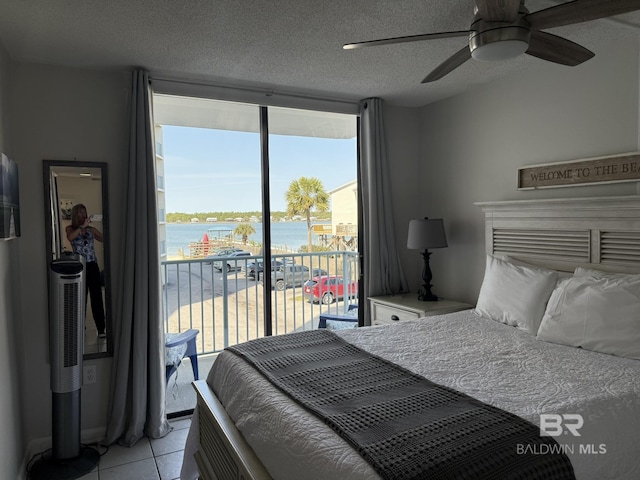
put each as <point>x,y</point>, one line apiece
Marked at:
<point>171,85</point>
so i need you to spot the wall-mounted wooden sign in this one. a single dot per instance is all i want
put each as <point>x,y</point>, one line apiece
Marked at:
<point>587,171</point>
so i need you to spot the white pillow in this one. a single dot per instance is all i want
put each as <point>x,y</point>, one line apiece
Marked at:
<point>591,272</point>
<point>515,294</point>
<point>599,314</point>
<point>561,275</point>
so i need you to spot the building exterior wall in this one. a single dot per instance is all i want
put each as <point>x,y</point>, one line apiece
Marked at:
<point>344,209</point>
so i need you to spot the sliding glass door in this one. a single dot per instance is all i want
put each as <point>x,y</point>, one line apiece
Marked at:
<point>258,221</point>
<point>312,161</point>
<point>257,204</point>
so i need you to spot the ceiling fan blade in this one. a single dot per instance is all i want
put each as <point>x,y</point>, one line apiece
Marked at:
<point>449,65</point>
<point>579,11</point>
<point>498,10</point>
<point>410,38</point>
<point>557,49</point>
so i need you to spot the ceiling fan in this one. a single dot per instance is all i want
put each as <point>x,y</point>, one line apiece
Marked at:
<point>503,29</point>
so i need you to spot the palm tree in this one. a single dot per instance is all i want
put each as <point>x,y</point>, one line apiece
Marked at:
<point>305,195</point>
<point>244,229</point>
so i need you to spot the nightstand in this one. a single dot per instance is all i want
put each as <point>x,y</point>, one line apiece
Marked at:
<point>400,308</point>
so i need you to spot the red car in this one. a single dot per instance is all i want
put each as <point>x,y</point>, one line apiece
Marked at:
<point>328,289</point>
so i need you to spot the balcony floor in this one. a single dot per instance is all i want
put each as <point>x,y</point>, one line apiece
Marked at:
<point>180,394</point>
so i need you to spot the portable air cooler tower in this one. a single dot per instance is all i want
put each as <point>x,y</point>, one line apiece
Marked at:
<point>67,306</point>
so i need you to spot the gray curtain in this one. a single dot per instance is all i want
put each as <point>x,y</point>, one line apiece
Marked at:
<point>137,401</point>
<point>382,272</point>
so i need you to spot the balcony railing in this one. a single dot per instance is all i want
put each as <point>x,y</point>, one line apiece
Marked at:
<point>227,305</point>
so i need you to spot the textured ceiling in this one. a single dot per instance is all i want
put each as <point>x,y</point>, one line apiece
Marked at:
<point>291,46</point>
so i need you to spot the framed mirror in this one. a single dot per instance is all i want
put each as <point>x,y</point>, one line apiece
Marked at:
<point>77,220</point>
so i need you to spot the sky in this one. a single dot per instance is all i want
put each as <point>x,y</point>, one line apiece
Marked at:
<point>219,170</point>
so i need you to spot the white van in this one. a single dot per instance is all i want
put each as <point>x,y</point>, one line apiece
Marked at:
<point>231,262</point>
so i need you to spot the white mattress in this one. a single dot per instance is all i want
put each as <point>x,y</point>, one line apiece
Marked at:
<point>494,363</point>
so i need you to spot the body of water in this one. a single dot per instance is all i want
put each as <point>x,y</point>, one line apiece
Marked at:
<point>291,235</point>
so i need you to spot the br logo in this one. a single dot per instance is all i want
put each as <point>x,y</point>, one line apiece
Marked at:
<point>554,425</point>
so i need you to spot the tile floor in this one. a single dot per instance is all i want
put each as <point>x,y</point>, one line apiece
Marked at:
<point>149,459</point>
<point>156,459</point>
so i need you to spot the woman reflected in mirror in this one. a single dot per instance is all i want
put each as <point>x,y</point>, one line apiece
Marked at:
<point>81,234</point>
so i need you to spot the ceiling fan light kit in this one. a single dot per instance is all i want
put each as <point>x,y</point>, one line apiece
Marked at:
<point>504,29</point>
<point>499,44</point>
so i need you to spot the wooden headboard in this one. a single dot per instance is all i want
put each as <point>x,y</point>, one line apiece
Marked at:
<point>562,234</point>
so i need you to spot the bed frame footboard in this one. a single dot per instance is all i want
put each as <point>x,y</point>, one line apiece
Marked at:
<point>223,454</point>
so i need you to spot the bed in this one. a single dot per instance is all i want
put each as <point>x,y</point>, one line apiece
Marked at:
<point>520,355</point>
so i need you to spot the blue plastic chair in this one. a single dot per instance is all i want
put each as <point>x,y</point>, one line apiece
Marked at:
<point>322,323</point>
<point>174,341</point>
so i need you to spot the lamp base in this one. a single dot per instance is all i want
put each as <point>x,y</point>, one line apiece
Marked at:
<point>425,294</point>
<point>425,290</point>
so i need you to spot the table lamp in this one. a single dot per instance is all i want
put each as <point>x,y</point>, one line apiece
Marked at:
<point>423,235</point>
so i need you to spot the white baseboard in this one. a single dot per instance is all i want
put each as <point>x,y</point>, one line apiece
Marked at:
<point>39,445</point>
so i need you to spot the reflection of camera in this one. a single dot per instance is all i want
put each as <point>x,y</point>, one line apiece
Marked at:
<point>95,218</point>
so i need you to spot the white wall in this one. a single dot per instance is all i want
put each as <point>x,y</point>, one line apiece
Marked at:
<point>61,114</point>
<point>12,441</point>
<point>472,145</point>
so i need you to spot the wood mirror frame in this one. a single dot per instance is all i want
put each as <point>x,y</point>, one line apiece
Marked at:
<point>68,183</point>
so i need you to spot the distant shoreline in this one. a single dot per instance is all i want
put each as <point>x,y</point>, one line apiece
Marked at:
<point>297,220</point>
<point>242,217</point>
<point>285,236</point>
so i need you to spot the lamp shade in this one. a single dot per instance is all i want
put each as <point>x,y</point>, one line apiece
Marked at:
<point>425,234</point>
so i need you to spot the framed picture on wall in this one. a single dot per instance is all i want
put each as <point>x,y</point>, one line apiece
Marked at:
<point>65,209</point>
<point>9,199</point>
